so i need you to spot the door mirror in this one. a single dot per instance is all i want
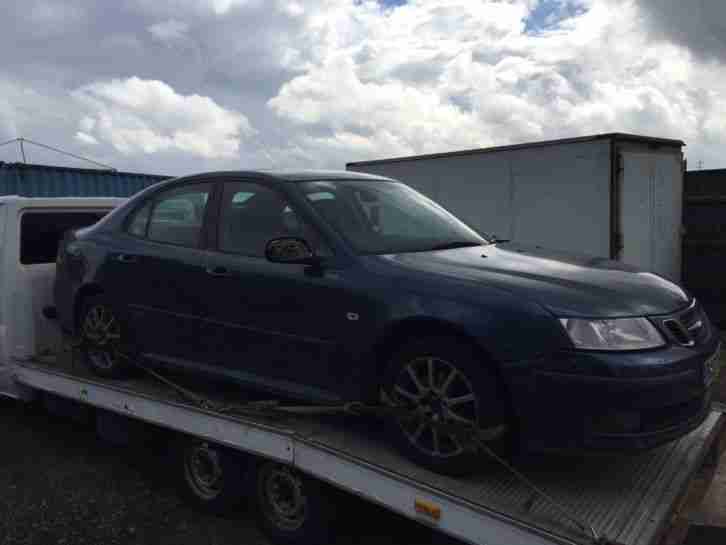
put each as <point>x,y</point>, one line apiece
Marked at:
<point>290,250</point>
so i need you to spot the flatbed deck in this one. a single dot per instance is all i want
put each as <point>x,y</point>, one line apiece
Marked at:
<point>627,499</point>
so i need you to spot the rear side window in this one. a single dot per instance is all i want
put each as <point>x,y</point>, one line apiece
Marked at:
<point>139,220</point>
<point>178,215</point>
<point>42,231</point>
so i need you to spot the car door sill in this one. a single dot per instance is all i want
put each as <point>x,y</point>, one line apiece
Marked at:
<point>245,378</point>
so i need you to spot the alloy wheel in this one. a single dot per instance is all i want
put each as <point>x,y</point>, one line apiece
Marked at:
<point>438,393</point>
<point>102,332</point>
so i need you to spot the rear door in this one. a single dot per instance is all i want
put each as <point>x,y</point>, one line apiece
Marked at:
<point>157,269</point>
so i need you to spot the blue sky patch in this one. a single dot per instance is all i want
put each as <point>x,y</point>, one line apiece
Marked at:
<point>549,13</point>
<point>392,3</point>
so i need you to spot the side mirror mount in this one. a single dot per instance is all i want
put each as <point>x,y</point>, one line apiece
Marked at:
<point>291,250</point>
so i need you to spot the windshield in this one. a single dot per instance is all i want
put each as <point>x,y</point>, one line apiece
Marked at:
<point>387,217</point>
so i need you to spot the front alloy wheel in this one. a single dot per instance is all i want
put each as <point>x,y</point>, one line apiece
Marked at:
<point>448,388</point>
<point>438,393</point>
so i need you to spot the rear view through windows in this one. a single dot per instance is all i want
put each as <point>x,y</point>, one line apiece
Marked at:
<point>40,232</point>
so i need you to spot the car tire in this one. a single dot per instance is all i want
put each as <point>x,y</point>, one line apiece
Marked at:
<point>464,387</point>
<point>292,508</point>
<point>102,334</point>
<point>211,478</point>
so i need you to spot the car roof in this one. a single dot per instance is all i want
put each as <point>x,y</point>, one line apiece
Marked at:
<point>289,175</point>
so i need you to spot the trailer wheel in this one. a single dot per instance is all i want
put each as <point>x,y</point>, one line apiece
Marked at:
<point>293,508</point>
<point>211,477</point>
<point>102,332</point>
<point>444,380</point>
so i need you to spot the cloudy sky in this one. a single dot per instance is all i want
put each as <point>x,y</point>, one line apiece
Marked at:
<point>181,86</point>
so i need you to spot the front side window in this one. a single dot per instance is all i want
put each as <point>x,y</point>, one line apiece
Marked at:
<point>177,215</point>
<point>253,214</point>
<point>379,217</point>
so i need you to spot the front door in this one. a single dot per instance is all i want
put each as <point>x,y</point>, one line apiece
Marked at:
<point>269,321</point>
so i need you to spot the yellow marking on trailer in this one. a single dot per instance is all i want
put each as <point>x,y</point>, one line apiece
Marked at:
<point>427,509</point>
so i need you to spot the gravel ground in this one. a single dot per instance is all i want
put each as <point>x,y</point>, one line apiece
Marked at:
<point>60,484</point>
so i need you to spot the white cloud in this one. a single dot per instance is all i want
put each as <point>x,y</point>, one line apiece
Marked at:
<point>148,116</point>
<point>436,76</point>
<point>85,138</point>
<point>222,7</point>
<point>87,124</point>
<point>330,81</point>
<point>169,31</point>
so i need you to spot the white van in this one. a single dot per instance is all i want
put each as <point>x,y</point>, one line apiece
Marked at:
<point>30,230</point>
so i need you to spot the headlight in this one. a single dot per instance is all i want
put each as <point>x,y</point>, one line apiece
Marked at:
<point>616,334</point>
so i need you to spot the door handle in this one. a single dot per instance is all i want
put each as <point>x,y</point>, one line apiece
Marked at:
<point>219,271</point>
<point>126,258</point>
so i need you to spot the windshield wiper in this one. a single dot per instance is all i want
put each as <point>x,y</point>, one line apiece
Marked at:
<point>453,245</point>
<point>493,239</point>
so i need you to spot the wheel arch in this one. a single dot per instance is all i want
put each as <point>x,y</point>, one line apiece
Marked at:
<point>402,331</point>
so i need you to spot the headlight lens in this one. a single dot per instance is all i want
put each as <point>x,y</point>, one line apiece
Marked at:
<point>616,334</point>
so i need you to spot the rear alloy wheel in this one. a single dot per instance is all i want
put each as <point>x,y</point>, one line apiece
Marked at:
<point>443,382</point>
<point>293,508</point>
<point>101,333</point>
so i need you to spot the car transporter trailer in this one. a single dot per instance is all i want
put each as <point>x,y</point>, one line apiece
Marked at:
<point>625,499</point>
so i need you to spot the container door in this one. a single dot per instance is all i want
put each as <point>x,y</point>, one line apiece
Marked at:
<point>651,196</point>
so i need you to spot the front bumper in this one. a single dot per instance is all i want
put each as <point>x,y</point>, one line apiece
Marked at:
<point>631,407</point>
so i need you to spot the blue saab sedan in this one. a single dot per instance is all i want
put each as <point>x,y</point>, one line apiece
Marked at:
<point>339,286</point>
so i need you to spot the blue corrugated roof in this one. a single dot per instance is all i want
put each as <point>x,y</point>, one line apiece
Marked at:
<point>30,180</point>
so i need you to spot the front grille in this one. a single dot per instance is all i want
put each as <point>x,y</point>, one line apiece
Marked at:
<point>647,420</point>
<point>694,320</point>
<point>678,332</point>
<point>688,327</point>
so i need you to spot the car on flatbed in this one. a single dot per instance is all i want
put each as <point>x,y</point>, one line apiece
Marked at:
<point>337,286</point>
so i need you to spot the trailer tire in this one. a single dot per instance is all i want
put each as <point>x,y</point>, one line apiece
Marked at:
<point>292,508</point>
<point>210,477</point>
<point>451,382</point>
<point>99,320</point>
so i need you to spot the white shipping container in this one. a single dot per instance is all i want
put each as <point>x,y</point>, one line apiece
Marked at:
<point>611,195</point>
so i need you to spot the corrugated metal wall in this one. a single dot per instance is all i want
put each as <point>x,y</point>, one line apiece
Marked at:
<point>704,243</point>
<point>49,181</point>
